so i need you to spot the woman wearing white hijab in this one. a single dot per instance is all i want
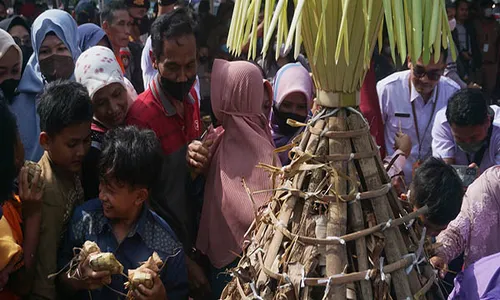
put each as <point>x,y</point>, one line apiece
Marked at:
<point>10,65</point>
<point>111,95</point>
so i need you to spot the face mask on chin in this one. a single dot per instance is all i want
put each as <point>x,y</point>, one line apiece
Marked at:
<point>178,90</point>
<point>57,67</point>
<point>471,148</point>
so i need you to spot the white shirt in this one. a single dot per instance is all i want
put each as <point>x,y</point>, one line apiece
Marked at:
<point>149,72</point>
<point>395,99</point>
<point>443,143</point>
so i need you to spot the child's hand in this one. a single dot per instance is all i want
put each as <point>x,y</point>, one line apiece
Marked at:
<point>157,292</point>
<point>31,193</point>
<point>403,143</point>
<point>92,280</point>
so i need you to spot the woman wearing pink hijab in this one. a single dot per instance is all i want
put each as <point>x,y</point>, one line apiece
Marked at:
<point>238,103</point>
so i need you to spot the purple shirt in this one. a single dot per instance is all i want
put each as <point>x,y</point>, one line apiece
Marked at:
<point>481,280</point>
<point>443,144</point>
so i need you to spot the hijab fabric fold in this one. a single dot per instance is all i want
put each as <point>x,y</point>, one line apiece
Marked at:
<point>237,95</point>
<point>24,105</point>
<point>89,35</point>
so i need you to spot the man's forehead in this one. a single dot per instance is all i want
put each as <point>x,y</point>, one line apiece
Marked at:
<point>181,48</point>
<point>120,15</point>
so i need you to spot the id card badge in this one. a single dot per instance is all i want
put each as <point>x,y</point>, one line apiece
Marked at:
<point>486,47</point>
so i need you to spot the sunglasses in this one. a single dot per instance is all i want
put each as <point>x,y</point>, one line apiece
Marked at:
<point>433,75</point>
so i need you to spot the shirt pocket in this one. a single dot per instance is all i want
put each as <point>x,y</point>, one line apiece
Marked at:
<point>402,120</point>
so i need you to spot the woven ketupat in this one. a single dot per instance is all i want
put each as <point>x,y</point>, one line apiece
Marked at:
<point>334,229</point>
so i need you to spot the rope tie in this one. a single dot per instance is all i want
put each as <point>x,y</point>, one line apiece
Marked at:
<point>336,238</point>
<point>382,274</point>
<point>387,225</point>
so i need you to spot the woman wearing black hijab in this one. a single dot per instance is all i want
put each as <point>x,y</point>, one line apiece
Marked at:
<point>19,29</point>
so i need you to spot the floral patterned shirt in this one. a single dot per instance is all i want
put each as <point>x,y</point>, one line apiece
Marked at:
<point>476,229</point>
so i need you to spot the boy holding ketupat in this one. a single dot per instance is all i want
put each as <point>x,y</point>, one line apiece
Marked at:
<point>120,222</point>
<point>65,116</point>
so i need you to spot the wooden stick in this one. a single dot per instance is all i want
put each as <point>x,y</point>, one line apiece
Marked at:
<point>336,258</point>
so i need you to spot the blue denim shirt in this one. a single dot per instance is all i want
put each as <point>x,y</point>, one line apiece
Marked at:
<point>150,234</point>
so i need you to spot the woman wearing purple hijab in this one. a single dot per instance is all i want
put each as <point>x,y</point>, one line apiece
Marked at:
<point>293,99</point>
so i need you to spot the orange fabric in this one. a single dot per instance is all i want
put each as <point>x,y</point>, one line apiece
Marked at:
<point>120,62</point>
<point>12,213</point>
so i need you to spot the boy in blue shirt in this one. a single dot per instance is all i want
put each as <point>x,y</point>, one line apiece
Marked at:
<point>121,222</point>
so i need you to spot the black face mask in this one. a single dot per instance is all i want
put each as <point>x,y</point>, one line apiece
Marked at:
<point>178,90</point>
<point>203,59</point>
<point>57,67</point>
<point>9,87</point>
<point>282,117</point>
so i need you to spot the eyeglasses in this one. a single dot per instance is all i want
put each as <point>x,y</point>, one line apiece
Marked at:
<point>25,41</point>
<point>433,75</point>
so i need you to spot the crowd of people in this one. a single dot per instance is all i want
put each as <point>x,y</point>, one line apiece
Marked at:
<point>136,134</point>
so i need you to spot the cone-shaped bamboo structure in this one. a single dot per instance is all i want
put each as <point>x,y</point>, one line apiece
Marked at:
<point>334,228</point>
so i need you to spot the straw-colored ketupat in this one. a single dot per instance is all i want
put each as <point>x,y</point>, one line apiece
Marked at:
<point>138,276</point>
<point>334,228</point>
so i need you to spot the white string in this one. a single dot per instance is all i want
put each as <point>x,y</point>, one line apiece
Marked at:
<point>351,156</point>
<point>303,279</point>
<point>287,278</point>
<point>367,276</point>
<point>382,274</point>
<point>387,224</point>
<point>416,257</point>
<point>358,196</point>
<point>336,238</point>
<point>254,291</point>
<point>327,289</point>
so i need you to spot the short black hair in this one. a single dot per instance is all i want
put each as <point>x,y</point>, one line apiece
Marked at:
<point>131,156</point>
<point>438,186</point>
<point>107,13</point>
<point>62,104</point>
<point>9,134</point>
<point>175,24</point>
<point>458,2</point>
<point>467,107</point>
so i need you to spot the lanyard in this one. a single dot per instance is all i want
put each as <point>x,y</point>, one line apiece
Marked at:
<point>415,121</point>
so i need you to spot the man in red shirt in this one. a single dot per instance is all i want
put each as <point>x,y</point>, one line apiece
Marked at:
<point>170,108</point>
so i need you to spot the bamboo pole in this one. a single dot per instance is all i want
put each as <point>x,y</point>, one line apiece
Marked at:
<point>286,211</point>
<point>336,258</point>
<point>381,207</point>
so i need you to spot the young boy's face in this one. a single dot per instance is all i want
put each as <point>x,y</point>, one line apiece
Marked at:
<point>120,201</point>
<point>68,148</point>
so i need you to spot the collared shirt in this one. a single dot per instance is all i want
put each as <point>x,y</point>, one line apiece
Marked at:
<point>61,195</point>
<point>151,233</point>
<point>154,110</point>
<point>396,98</point>
<point>444,146</point>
